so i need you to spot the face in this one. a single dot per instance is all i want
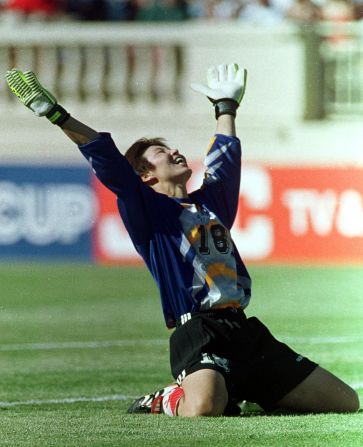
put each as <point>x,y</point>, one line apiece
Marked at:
<point>166,165</point>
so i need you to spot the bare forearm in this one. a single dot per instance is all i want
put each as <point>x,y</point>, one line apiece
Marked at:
<point>78,132</point>
<point>226,125</point>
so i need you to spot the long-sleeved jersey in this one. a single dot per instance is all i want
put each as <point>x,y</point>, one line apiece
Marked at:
<point>185,243</point>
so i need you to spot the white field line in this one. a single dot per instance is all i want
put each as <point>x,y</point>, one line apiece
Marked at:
<point>67,400</point>
<point>156,341</point>
<point>331,340</point>
<point>81,344</point>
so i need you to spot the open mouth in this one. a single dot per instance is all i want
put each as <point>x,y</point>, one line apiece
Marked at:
<point>180,160</point>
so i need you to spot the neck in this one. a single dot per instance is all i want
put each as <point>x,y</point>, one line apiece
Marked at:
<point>171,189</point>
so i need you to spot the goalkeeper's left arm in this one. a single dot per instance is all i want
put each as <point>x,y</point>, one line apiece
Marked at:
<point>33,95</point>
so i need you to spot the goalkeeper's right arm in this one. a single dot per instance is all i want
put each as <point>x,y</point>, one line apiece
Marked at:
<point>33,95</point>
<point>78,132</point>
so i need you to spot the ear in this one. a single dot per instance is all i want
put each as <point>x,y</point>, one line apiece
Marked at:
<point>148,178</point>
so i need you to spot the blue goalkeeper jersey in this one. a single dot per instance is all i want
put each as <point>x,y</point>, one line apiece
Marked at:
<point>185,243</point>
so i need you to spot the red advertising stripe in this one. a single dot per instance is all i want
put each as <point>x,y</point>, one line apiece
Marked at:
<point>318,214</point>
<point>111,243</point>
<point>286,214</point>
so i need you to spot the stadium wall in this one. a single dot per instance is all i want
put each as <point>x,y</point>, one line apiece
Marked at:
<point>134,80</point>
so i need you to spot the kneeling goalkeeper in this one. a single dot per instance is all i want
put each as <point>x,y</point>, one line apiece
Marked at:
<point>218,356</point>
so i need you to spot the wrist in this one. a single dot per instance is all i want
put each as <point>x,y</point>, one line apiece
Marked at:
<point>58,115</point>
<point>225,106</point>
<point>226,125</point>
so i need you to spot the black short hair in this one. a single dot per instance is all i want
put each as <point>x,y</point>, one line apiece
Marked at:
<point>135,152</point>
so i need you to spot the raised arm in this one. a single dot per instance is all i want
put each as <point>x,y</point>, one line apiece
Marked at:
<point>225,88</point>
<point>109,165</point>
<point>33,95</point>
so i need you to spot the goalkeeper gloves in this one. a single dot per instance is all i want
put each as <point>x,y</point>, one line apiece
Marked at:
<point>226,85</point>
<point>33,95</point>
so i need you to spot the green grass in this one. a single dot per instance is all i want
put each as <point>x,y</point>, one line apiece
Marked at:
<point>44,304</point>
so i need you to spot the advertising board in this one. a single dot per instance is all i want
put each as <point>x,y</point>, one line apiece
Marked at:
<point>46,212</point>
<point>286,214</point>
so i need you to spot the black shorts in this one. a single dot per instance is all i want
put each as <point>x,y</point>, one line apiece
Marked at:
<point>256,367</point>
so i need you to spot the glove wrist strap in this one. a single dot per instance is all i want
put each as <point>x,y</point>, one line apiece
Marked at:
<point>58,115</point>
<point>225,106</point>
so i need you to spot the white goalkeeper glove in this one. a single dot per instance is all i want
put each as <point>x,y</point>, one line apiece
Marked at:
<point>226,85</point>
<point>33,95</point>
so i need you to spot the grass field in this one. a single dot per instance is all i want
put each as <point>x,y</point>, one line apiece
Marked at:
<point>78,342</point>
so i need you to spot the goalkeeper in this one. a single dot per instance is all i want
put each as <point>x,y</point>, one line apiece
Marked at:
<point>219,357</point>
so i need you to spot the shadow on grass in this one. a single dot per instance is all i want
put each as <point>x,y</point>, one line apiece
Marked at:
<point>249,409</point>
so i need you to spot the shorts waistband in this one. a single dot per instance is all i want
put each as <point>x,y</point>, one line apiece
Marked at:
<point>210,313</point>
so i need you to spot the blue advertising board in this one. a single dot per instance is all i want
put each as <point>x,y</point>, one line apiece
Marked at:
<point>46,212</point>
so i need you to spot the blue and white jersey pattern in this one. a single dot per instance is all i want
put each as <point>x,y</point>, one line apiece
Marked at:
<point>214,264</point>
<point>185,243</point>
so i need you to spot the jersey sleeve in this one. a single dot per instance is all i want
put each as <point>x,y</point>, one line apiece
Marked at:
<point>220,189</point>
<point>116,173</point>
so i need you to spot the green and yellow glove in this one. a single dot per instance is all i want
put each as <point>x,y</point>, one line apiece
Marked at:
<point>33,95</point>
<point>226,85</point>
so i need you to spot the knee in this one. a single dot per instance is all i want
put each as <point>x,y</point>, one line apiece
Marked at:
<point>346,400</point>
<point>205,394</point>
<point>205,407</point>
<point>351,403</point>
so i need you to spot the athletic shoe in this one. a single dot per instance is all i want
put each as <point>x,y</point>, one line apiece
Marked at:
<point>151,403</point>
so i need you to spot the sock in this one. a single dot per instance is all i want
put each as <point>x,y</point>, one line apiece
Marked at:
<point>171,401</point>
